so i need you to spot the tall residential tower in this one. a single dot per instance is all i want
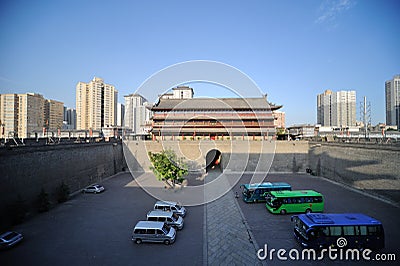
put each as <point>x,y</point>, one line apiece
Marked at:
<point>392,97</point>
<point>96,105</point>
<point>336,109</point>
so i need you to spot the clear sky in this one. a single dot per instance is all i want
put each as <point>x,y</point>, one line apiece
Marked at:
<point>293,50</point>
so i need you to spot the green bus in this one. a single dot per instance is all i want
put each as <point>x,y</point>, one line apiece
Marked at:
<point>294,201</point>
<point>257,192</point>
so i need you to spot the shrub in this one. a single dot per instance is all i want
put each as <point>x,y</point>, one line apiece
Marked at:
<point>62,193</point>
<point>43,202</point>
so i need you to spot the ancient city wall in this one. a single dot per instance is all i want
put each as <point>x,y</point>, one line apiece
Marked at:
<point>249,156</point>
<point>372,168</point>
<point>24,171</point>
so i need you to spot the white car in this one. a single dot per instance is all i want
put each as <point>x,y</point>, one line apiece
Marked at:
<point>93,189</point>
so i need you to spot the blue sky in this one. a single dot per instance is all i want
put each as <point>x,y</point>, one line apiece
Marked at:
<point>293,50</point>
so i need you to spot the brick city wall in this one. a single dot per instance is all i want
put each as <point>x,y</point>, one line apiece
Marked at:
<point>372,168</point>
<point>281,156</point>
<point>26,170</point>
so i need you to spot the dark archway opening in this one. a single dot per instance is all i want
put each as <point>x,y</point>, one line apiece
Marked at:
<point>213,161</point>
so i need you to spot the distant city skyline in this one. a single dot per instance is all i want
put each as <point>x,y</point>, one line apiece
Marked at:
<point>26,115</point>
<point>292,50</point>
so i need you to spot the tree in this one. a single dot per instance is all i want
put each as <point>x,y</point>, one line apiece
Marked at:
<point>168,167</point>
<point>62,193</point>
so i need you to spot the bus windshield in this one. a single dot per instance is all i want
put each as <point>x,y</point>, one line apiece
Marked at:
<point>300,226</point>
<point>273,201</point>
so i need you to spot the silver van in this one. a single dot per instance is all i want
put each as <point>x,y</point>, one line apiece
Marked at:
<point>170,206</point>
<point>148,231</point>
<point>169,218</point>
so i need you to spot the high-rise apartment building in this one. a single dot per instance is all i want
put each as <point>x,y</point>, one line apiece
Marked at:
<point>30,114</point>
<point>26,115</point>
<point>337,109</point>
<point>69,118</point>
<point>53,114</point>
<point>96,105</point>
<point>9,115</point>
<point>137,114</point>
<point>120,115</point>
<point>392,98</point>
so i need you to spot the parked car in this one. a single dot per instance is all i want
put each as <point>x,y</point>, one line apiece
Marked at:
<point>170,206</point>
<point>169,218</point>
<point>93,189</point>
<point>147,231</point>
<point>9,239</point>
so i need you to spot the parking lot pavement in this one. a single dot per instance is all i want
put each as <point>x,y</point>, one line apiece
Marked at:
<point>95,229</point>
<point>277,230</point>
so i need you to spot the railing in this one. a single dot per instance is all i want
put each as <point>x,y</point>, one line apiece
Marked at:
<point>210,115</point>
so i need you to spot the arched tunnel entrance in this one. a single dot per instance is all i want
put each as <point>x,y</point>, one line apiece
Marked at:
<point>213,161</point>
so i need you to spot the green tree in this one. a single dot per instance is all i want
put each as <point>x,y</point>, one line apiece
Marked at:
<point>168,167</point>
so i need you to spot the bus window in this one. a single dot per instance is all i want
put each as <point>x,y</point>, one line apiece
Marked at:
<point>309,200</point>
<point>275,203</point>
<point>336,230</point>
<point>321,231</point>
<point>363,230</point>
<point>317,199</point>
<point>348,230</point>
<point>374,230</point>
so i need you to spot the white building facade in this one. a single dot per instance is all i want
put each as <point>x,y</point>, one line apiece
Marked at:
<point>137,114</point>
<point>392,99</point>
<point>336,109</point>
<point>120,115</point>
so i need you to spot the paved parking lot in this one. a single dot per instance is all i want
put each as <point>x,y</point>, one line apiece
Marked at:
<point>95,229</point>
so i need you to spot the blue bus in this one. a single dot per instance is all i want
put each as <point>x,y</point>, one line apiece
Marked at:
<point>319,231</point>
<point>257,192</point>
